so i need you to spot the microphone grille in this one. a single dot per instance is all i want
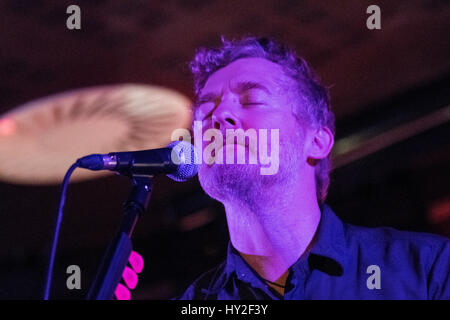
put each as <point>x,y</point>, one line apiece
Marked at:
<point>186,157</point>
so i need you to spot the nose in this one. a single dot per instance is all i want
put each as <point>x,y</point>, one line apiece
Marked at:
<point>224,118</point>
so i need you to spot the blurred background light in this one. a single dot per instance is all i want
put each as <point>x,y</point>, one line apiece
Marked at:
<point>41,139</point>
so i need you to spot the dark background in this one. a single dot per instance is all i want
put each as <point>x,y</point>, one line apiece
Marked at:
<point>380,80</point>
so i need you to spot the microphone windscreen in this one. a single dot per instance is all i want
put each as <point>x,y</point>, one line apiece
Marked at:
<point>186,157</point>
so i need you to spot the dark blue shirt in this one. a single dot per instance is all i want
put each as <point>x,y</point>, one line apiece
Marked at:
<point>345,262</point>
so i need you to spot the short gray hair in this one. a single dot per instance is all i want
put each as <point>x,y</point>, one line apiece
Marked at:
<point>314,101</point>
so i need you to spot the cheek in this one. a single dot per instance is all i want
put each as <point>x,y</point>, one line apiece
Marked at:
<point>292,138</point>
<point>199,135</point>
<point>289,130</point>
<point>286,124</point>
<point>260,120</point>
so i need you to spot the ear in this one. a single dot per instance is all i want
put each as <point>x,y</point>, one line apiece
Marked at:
<point>320,144</point>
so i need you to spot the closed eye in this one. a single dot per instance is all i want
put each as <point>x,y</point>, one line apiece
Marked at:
<point>253,97</point>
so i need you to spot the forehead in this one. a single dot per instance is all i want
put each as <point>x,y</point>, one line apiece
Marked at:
<point>245,69</point>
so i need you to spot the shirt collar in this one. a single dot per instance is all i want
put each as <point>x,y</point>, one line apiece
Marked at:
<point>328,252</point>
<point>330,240</point>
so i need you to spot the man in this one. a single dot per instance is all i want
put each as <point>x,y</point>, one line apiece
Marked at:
<point>285,243</point>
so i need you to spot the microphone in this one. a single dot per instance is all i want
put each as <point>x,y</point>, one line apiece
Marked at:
<point>178,161</point>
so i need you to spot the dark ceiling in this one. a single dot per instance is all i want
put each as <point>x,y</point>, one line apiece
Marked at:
<point>152,42</point>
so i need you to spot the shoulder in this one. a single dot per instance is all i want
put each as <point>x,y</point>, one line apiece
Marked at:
<point>383,242</point>
<point>387,236</point>
<point>206,285</point>
<point>417,257</point>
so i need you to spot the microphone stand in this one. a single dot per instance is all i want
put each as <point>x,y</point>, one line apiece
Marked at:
<point>116,256</point>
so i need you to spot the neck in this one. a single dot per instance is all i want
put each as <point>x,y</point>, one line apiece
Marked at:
<point>272,235</point>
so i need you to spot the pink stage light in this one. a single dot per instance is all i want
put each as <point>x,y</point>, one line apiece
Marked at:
<point>130,277</point>
<point>136,261</point>
<point>122,292</point>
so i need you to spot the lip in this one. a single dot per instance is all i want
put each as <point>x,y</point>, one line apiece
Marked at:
<point>246,146</point>
<point>234,144</point>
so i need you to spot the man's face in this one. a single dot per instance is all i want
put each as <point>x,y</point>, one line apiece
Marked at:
<point>249,93</point>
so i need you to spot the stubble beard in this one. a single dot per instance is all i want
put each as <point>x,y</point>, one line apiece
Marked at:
<point>244,185</point>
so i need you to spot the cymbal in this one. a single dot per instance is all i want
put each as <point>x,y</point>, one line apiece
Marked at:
<point>41,139</point>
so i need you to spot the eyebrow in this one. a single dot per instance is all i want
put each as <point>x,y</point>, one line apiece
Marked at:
<point>248,85</point>
<point>239,88</point>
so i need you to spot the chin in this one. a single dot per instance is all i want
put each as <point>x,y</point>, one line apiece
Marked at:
<point>235,182</point>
